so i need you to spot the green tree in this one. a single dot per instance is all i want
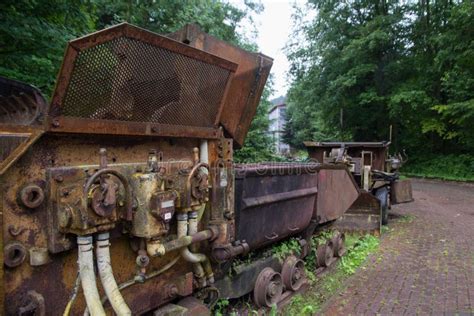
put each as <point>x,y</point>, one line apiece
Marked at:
<point>33,35</point>
<point>360,66</point>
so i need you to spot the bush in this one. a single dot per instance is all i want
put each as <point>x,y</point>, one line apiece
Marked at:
<point>447,167</point>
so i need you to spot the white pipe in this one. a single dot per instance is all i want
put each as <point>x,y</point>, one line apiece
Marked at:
<point>107,276</point>
<point>185,252</point>
<point>204,154</point>
<point>86,271</point>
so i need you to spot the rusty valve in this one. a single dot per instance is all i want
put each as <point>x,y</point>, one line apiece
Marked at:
<point>105,201</point>
<point>31,196</point>
<point>104,197</point>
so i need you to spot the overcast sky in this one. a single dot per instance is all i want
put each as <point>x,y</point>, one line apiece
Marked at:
<point>274,28</point>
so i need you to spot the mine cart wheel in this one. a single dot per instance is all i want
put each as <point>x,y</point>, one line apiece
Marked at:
<point>268,288</point>
<point>382,195</point>
<point>338,244</point>
<point>293,273</point>
<point>324,254</point>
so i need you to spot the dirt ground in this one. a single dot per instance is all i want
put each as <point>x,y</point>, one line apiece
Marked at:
<point>425,264</point>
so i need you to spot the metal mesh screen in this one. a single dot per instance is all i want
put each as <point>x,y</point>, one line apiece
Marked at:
<point>128,80</point>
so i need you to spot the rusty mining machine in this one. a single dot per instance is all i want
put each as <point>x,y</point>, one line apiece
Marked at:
<point>375,171</point>
<point>121,194</point>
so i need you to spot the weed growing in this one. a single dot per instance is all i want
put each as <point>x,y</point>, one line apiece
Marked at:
<point>321,287</point>
<point>406,218</point>
<point>324,287</point>
<point>359,252</point>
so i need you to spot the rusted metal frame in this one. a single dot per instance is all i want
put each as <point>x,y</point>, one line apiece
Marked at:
<point>90,126</point>
<point>134,32</point>
<point>346,144</point>
<point>253,68</point>
<point>256,170</point>
<point>278,197</point>
<point>32,134</point>
<point>260,77</point>
<point>59,123</point>
<point>62,82</point>
<point>224,98</point>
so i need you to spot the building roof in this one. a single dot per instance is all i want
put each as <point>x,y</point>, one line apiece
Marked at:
<point>277,102</point>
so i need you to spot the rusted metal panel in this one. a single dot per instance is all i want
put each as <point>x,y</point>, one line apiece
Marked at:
<point>29,227</point>
<point>76,125</point>
<point>247,85</point>
<point>22,109</point>
<point>364,215</point>
<point>336,193</point>
<point>278,199</point>
<point>14,144</point>
<point>401,191</point>
<point>125,80</point>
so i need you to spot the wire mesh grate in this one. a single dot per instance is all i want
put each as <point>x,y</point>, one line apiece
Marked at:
<point>125,79</point>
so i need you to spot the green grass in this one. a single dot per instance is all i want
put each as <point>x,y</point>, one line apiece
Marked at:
<point>324,287</point>
<point>448,167</point>
<point>408,218</point>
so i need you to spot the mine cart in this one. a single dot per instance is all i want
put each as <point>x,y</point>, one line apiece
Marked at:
<point>121,195</point>
<point>374,170</point>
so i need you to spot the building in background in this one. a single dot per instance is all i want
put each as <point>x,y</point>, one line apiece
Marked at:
<point>277,115</point>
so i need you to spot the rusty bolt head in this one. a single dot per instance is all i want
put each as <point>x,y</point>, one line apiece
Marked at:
<point>55,123</point>
<point>172,290</point>
<point>142,260</point>
<point>32,196</point>
<point>14,254</point>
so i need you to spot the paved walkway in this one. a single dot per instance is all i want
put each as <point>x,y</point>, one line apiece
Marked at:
<point>425,265</point>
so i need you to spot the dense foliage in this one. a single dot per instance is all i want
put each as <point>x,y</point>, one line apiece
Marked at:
<point>361,66</point>
<point>33,35</point>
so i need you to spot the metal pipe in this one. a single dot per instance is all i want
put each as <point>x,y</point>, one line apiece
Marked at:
<point>226,252</point>
<point>195,258</point>
<point>156,248</point>
<point>107,277</point>
<point>204,153</point>
<point>86,271</point>
<point>206,264</point>
<point>192,229</point>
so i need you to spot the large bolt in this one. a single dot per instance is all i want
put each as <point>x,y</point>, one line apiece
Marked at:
<point>172,290</point>
<point>55,123</point>
<point>14,254</point>
<point>32,196</point>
